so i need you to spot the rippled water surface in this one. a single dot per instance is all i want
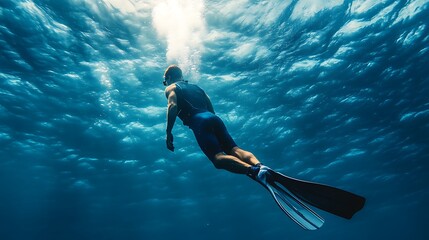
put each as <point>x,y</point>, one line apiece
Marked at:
<point>328,91</point>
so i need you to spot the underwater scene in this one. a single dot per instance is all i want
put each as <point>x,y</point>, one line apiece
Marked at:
<point>333,92</point>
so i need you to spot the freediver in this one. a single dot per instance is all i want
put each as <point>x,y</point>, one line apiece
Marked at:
<point>192,105</point>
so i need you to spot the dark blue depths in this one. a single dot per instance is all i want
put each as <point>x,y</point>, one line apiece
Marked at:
<point>334,93</point>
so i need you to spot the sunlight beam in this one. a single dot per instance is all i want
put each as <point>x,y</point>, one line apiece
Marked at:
<point>181,24</point>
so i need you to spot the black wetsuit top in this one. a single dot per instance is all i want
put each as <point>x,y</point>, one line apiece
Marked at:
<point>191,100</point>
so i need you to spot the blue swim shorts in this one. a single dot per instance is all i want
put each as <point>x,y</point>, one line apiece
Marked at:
<point>211,134</point>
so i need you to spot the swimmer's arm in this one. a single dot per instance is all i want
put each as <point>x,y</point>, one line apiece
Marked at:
<point>170,93</point>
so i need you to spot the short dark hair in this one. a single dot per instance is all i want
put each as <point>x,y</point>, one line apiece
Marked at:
<point>174,72</point>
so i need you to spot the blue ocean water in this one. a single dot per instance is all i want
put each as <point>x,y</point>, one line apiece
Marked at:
<point>328,91</point>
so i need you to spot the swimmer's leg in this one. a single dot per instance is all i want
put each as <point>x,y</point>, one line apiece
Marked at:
<point>230,163</point>
<point>244,156</point>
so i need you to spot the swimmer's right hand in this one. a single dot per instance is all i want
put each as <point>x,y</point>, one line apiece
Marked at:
<point>169,142</point>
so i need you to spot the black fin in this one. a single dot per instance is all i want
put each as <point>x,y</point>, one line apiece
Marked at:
<point>333,200</point>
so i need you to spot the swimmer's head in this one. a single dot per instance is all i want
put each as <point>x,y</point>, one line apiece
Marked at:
<point>172,74</point>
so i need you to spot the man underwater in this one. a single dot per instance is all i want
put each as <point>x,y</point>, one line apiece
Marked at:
<point>192,105</point>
